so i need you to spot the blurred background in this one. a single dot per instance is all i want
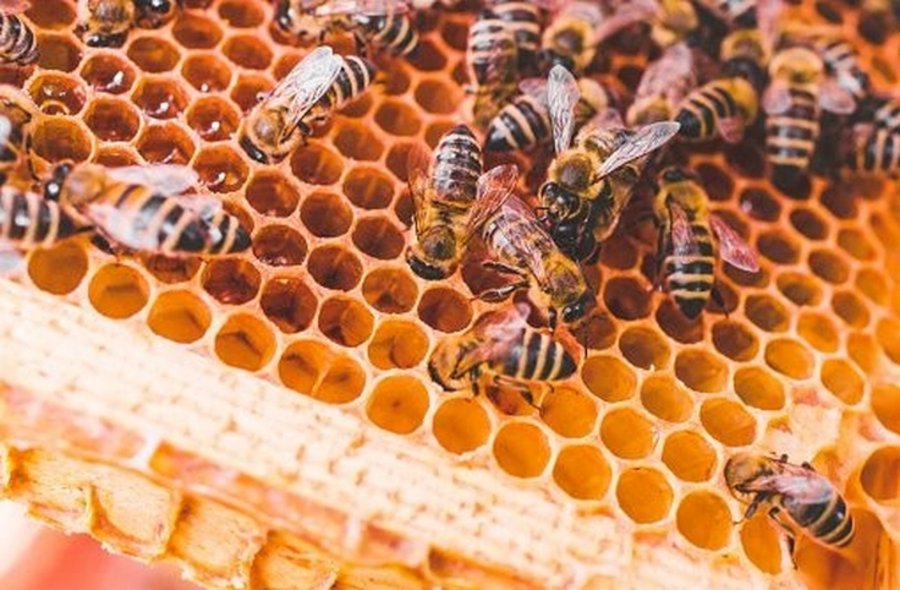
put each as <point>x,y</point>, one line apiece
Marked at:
<point>36,557</point>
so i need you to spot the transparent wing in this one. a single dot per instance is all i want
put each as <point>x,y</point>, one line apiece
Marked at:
<point>660,76</point>
<point>14,6</point>
<point>534,87</point>
<point>5,129</point>
<point>684,242</point>
<point>167,179</point>
<point>645,140</point>
<point>626,14</point>
<point>562,96</point>
<point>305,84</point>
<point>768,13</point>
<point>522,236</point>
<point>10,259</point>
<point>495,187</point>
<point>776,99</point>
<point>366,7</point>
<point>115,225</point>
<point>732,247</point>
<point>418,172</point>
<point>836,99</point>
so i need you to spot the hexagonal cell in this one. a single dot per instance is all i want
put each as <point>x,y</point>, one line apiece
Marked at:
<point>272,194</point>
<point>279,245</point>
<point>288,303</point>
<point>628,434</point>
<point>168,143</point>
<point>735,340</point>
<point>398,404</point>
<point>762,544</point>
<point>886,405</point>
<point>58,52</point>
<point>231,280</point>
<point>326,215</point>
<point>213,118</point>
<point>171,270</point>
<point>59,138</point>
<point>153,54</point>
<point>248,91</point>
<point>206,73</point>
<point>445,309</point>
<point>57,94</point>
<point>767,313</point>
<point>461,425</point>
<point>582,472</point>
<point>703,518</point>
<point>345,321</point>
<point>609,378</point>
<point>597,332</point>
<point>789,358</point>
<point>758,388</point>
<point>398,118</point>
<point>436,96</point>
<point>838,198</point>
<point>569,412</point>
<point>728,422</point>
<point>644,348</point>
<point>521,449</point>
<point>357,141</point>
<point>809,223</point>
<point>51,14</point>
<point>221,169</point>
<point>851,308</point>
<point>689,456</point>
<point>644,494</point>
<point>118,291</point>
<point>397,344</point>
<point>396,80</point>
<point>248,51</point>
<point>873,285</point>
<point>378,237</point>
<point>760,204</point>
<point>676,325</point>
<point>314,369</point>
<point>112,119</point>
<point>880,475</point>
<point>194,30</point>
<point>801,289</point>
<point>241,14</point>
<point>863,349</point>
<point>107,72</point>
<point>428,57</point>
<point>368,188</point>
<point>116,156</point>
<point>844,382</point>
<point>316,164</point>
<point>180,316</point>
<point>245,342</point>
<point>829,266</point>
<point>700,370</point>
<point>390,290</point>
<point>718,184</point>
<point>663,397</point>
<point>160,98</point>
<point>778,247</point>
<point>58,269</point>
<point>819,331</point>
<point>437,130</point>
<point>335,267</point>
<point>626,298</point>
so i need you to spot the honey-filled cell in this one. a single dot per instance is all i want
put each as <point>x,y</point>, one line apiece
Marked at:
<point>180,316</point>
<point>582,472</point>
<point>398,404</point>
<point>397,344</point>
<point>521,449</point>
<point>314,369</point>
<point>60,269</point>
<point>703,519</point>
<point>461,425</point>
<point>569,412</point>
<point>644,494</point>
<point>118,291</point>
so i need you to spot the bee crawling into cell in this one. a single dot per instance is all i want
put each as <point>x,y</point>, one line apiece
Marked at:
<point>492,57</point>
<point>18,44</point>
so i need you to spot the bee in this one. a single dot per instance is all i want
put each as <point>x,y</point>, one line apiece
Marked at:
<point>795,497</point>
<point>105,23</point>
<point>152,14</point>
<point>136,208</point>
<point>685,253</point>
<point>663,86</point>
<point>524,20</point>
<point>590,183</point>
<point>18,45</point>
<point>887,115</point>
<point>16,113</point>
<point>504,350</point>
<point>522,248</point>
<point>320,83</point>
<point>674,22</point>
<point>443,192</point>
<point>792,101</point>
<point>722,107</point>
<point>29,221</point>
<point>492,58</point>
<point>877,150</point>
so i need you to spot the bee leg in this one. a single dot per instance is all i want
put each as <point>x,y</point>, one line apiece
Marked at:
<point>789,536</point>
<point>552,318</point>
<point>501,268</point>
<point>501,293</point>
<point>511,383</point>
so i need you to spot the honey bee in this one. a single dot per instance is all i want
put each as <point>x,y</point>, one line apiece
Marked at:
<point>492,58</point>
<point>792,101</point>
<point>795,497</point>
<point>674,22</point>
<point>744,54</point>
<point>105,23</point>
<point>590,183</point>
<point>663,86</point>
<point>522,248</point>
<point>887,115</point>
<point>18,45</point>
<point>524,20</point>
<point>504,350</point>
<point>137,208</point>
<point>443,192</point>
<point>29,221</point>
<point>724,107</point>
<point>876,150</point>
<point>685,253</point>
<point>16,114</point>
<point>152,14</point>
<point>320,83</point>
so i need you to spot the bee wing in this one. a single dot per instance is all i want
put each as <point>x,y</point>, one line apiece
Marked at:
<point>534,87</point>
<point>418,172</point>
<point>776,99</point>
<point>306,84</point>
<point>366,7</point>
<point>835,99</point>
<point>10,259</point>
<point>645,140</point>
<point>768,13</point>
<point>684,242</point>
<point>495,187</point>
<point>14,6</point>
<point>625,14</point>
<point>733,249</point>
<point>605,119</point>
<point>5,129</point>
<point>167,179</point>
<point>562,96</point>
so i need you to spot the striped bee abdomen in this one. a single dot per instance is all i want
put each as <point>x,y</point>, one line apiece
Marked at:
<point>27,220</point>
<point>492,51</point>
<point>536,356</point>
<point>888,115</point>
<point>228,236</point>
<point>842,61</point>
<point>520,125</point>
<point>878,153</point>
<point>524,19</point>
<point>791,135</point>
<point>394,32</point>
<point>354,78</point>
<point>690,277</point>
<point>703,107</point>
<point>457,164</point>
<point>17,41</point>
<point>828,521</point>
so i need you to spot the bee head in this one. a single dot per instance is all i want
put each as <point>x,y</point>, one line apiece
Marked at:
<point>558,200</point>
<point>742,469</point>
<point>577,310</point>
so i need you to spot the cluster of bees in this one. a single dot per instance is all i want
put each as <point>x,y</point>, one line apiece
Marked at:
<point>721,63</point>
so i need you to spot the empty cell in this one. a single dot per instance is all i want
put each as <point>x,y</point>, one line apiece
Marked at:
<point>241,14</point>
<point>378,237</point>
<point>58,52</point>
<point>717,182</point>
<point>644,494</point>
<point>272,194</point>
<point>118,291</point>
<point>626,298</point>
<point>801,289</point>
<point>663,397</point>
<point>676,325</point>
<point>856,244</point>
<point>397,159</point>
<point>851,308</point>
<point>839,199</point>
<point>609,378</point>
<point>628,434</point>
<point>829,266</point>
<point>395,79</point>
<point>778,247</point>
<point>213,118</point>
<point>880,476</point>
<point>461,425</point>
<point>689,456</point>
<point>809,223</point>
<point>819,331</point>
<point>288,303</point>
<point>357,141</point>
<point>57,94</point>
<point>398,344</point>
<point>886,405</point>
<point>312,368</point>
<point>194,30</point>
<point>168,143</point>
<point>108,72</point>
<point>762,543</point>
<point>248,51</point>
<point>863,350</point>
<point>703,518</point>
<point>116,156</point>
<point>789,358</point>
<point>171,270</point>
<point>437,130</point>
<point>569,412</point>
<point>206,73</point>
<point>245,342</point>
<point>279,245</point>
<point>326,215</point>
<point>445,309</point>
<point>436,96</point>
<point>873,285</point>
<point>521,449</point>
<point>345,321</point>
<point>728,422</point>
<point>51,14</point>
<point>58,138</point>
<point>58,269</point>
<point>597,332</point>
<point>700,370</point>
<point>180,316</point>
<point>390,290</point>
<point>758,388</point>
<point>398,404</point>
<point>335,267</point>
<point>582,472</point>
<point>221,169</point>
<point>368,188</point>
<point>735,340</point>
<point>231,281</point>
<point>428,57</point>
<point>398,118</point>
<point>160,98</point>
<point>153,54</point>
<point>249,90</point>
<point>644,348</point>
<point>767,313</point>
<point>316,164</point>
<point>112,119</point>
<point>760,204</point>
<point>845,383</point>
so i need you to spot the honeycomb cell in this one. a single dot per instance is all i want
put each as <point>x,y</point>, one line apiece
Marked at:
<point>396,81</point>
<point>444,309</point>
<point>153,54</point>
<point>279,245</point>
<point>839,200</point>
<point>676,325</point>
<point>58,269</point>
<point>703,519</point>
<point>248,51</point>
<point>107,72</point>
<point>221,169</point>
<point>829,266</point>
<point>213,118</point>
<point>398,118</point>
<point>619,252</point>
<point>288,303</point>
<point>118,291</point>
<point>819,331</point>
<point>398,404</point>
<point>761,543</point>
<point>760,204</point>
<point>378,237</point>
<point>521,449</point>
<point>345,321</point>
<point>397,159</point>
<point>628,434</point>
<point>58,52</point>
<point>664,398</point>
<point>167,143</point>
<point>358,142</point>
<point>626,298</point>
<point>206,73</point>
<point>842,380</point>
<point>689,456</point>
<point>801,289</point>
<point>180,316</point>
<point>608,378</point>
<point>368,188</point>
<point>112,119</point>
<point>58,138</point>
<point>428,57</point>
<point>873,285</point>
<point>851,308</point>
<point>854,242</point>
<point>582,472</point>
<point>728,422</point>
<point>436,96</point>
<point>390,290</point>
<point>809,223</point>
<point>778,247</point>
<point>316,164</point>
<point>880,475</point>
<point>789,358</point>
<point>326,215</point>
<point>757,388</point>
<point>403,209</point>
<point>597,332</point>
<point>51,14</point>
<point>455,34</point>
<point>569,412</point>
<point>241,14</point>
<point>718,184</point>
<point>461,425</point>
<point>160,98</point>
<point>312,368</point>
<point>644,494</point>
<point>57,94</point>
<point>245,342</point>
<point>248,91</point>
<point>116,156</point>
<point>644,348</point>
<point>171,270</point>
<point>863,349</point>
<point>767,313</point>
<point>735,340</point>
<point>700,370</point>
<point>270,193</point>
<point>334,267</point>
<point>194,30</point>
<point>886,405</point>
<point>398,344</point>
<point>231,280</point>
<point>437,130</point>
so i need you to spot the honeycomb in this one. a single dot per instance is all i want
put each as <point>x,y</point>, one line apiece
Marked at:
<point>613,482</point>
